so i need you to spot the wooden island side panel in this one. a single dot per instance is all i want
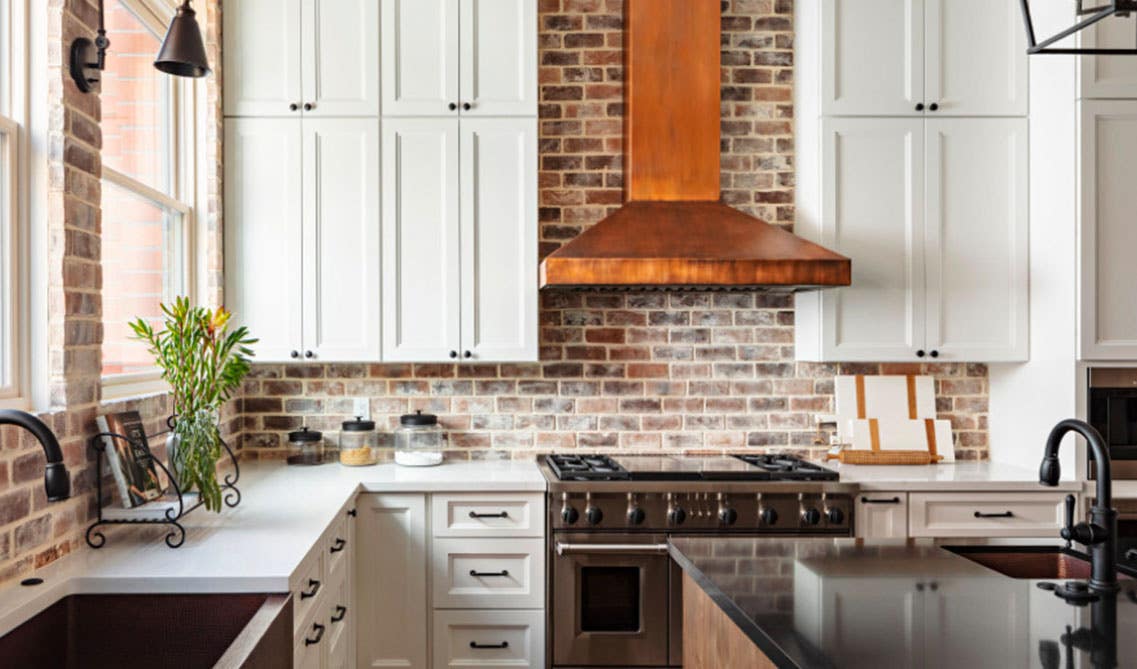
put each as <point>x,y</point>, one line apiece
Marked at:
<point>711,640</point>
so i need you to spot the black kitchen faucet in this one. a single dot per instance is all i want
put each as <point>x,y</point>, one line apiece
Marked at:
<point>56,480</point>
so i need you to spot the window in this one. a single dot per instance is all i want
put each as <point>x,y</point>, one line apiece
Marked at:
<point>145,219</point>
<point>13,390</point>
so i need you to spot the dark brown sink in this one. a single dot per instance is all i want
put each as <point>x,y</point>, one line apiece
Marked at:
<point>1031,562</point>
<point>244,630</point>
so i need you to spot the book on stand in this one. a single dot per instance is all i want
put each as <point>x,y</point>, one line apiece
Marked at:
<point>130,460</point>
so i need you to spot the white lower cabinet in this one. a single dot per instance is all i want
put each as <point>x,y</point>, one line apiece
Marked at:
<point>323,599</point>
<point>484,600</point>
<point>986,515</point>
<point>881,515</point>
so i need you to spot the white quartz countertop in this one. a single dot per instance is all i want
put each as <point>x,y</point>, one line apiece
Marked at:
<point>947,477</point>
<point>255,547</point>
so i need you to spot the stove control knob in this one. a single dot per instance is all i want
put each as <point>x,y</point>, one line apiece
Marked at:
<point>834,515</point>
<point>569,515</point>
<point>593,515</point>
<point>676,515</point>
<point>810,516</point>
<point>727,515</point>
<point>769,516</point>
<point>636,515</point>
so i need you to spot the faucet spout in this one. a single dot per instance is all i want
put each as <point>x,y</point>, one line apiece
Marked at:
<point>56,480</point>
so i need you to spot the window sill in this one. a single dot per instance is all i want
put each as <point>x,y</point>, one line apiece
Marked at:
<point>120,388</point>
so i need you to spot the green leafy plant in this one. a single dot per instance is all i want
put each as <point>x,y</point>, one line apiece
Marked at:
<point>204,363</point>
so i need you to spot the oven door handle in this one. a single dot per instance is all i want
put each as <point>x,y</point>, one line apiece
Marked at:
<point>608,549</point>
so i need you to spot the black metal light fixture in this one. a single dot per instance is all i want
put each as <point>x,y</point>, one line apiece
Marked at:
<point>89,58</point>
<point>183,51</point>
<point>1101,10</point>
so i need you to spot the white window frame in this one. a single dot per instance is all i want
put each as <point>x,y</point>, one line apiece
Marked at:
<point>155,15</point>
<point>14,321</point>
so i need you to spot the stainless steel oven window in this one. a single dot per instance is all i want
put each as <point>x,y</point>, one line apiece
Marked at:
<point>610,599</point>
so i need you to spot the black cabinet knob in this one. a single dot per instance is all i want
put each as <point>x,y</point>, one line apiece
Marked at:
<point>309,355</point>
<point>835,516</point>
<point>569,515</point>
<point>593,515</point>
<point>467,354</point>
<point>467,106</point>
<point>920,353</point>
<point>934,354</point>
<point>453,354</point>
<point>934,107</point>
<point>727,515</point>
<point>636,515</point>
<point>769,516</point>
<point>308,106</point>
<point>810,516</point>
<point>676,516</point>
<point>294,354</point>
<point>293,107</point>
<point>453,106</point>
<point>919,106</point>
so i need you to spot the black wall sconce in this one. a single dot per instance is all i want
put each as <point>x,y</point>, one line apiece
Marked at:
<point>1087,16</point>
<point>182,53</point>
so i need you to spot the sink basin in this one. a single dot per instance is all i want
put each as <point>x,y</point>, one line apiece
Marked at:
<point>1033,562</point>
<point>154,631</point>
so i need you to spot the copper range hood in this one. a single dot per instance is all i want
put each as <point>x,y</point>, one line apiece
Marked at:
<point>673,232</point>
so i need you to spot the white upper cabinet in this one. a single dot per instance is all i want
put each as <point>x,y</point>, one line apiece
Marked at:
<point>1108,236</point>
<point>421,248</point>
<point>261,43</point>
<point>922,57</point>
<point>293,57</point>
<point>977,239</point>
<point>341,239</point>
<point>499,72</point>
<point>975,60</point>
<point>1109,76</point>
<point>499,239</point>
<point>263,238</point>
<point>451,57</point>
<point>872,56</point>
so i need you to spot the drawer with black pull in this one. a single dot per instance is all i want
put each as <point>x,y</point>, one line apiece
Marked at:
<point>982,515</point>
<point>488,573</point>
<point>308,587</point>
<point>488,515</point>
<point>488,639</point>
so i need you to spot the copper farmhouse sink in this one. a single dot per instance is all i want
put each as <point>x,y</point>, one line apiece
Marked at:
<point>1032,562</point>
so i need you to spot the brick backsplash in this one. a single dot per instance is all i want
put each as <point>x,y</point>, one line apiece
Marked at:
<point>651,371</point>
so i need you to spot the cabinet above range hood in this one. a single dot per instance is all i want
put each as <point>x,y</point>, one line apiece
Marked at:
<point>674,233</point>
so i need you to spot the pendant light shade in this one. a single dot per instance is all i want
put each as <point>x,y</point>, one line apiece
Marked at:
<point>1086,16</point>
<point>183,51</point>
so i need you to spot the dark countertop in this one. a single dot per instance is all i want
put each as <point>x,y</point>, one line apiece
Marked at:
<point>844,603</point>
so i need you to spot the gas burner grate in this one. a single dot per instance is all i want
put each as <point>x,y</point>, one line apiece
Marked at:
<point>586,468</point>
<point>788,467</point>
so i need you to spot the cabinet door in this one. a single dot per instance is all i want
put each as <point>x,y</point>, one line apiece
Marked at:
<point>882,515</point>
<point>872,211</point>
<point>263,235</point>
<point>1108,312</point>
<point>391,575</point>
<point>262,46</point>
<point>341,239</point>
<point>992,641</point>
<point>977,245</point>
<point>499,57</point>
<point>1109,76</point>
<point>975,67</point>
<point>857,612</point>
<point>420,57</point>
<point>341,57</point>
<point>421,298</point>
<point>872,57</point>
<point>499,239</point>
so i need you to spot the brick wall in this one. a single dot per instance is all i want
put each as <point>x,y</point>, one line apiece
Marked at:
<point>648,371</point>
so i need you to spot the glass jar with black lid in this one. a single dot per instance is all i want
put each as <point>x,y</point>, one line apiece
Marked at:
<point>359,443</point>
<point>305,447</point>
<point>418,440</point>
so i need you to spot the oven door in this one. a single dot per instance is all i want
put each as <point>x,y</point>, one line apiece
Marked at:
<point>610,600</point>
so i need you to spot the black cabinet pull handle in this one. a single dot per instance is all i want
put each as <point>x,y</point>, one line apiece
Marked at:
<point>319,630</point>
<point>479,574</point>
<point>314,587</point>
<point>453,106</point>
<point>351,512</point>
<point>921,353</point>
<point>1005,514</point>
<point>934,354</point>
<point>338,545</point>
<point>308,106</point>
<point>294,354</point>
<point>919,106</point>
<point>934,107</point>
<point>341,611</point>
<point>309,355</point>
<point>500,514</point>
<point>475,644</point>
<point>867,500</point>
<point>467,355</point>
<point>453,354</point>
<point>293,107</point>
<point>467,106</point>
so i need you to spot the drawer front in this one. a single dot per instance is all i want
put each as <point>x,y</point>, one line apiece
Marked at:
<point>309,588</point>
<point>337,611</point>
<point>985,514</point>
<point>489,639</point>
<point>309,651</point>
<point>488,515</point>
<point>488,573</point>
<point>881,515</point>
<point>337,546</point>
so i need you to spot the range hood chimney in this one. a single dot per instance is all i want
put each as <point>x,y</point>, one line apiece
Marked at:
<point>673,232</point>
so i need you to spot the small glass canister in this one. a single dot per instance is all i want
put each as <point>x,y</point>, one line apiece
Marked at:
<point>305,447</point>
<point>359,443</point>
<point>418,440</point>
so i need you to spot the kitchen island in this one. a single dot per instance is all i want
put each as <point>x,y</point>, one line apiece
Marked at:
<point>803,603</point>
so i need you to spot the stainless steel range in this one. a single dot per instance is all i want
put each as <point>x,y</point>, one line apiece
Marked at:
<point>615,595</point>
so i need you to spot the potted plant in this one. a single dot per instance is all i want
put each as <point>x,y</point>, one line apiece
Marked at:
<point>204,363</point>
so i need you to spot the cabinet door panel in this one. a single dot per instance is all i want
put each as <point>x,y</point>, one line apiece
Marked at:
<point>499,57</point>
<point>872,57</point>
<point>391,573</point>
<point>262,57</point>
<point>977,243</point>
<point>499,239</point>
<point>421,298</point>
<point>882,515</point>
<point>971,67</point>
<point>872,211</point>
<point>1108,329</point>
<point>263,233</point>
<point>992,641</point>
<point>341,239</point>
<point>857,612</point>
<point>341,57</point>
<point>420,57</point>
<point>1109,76</point>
